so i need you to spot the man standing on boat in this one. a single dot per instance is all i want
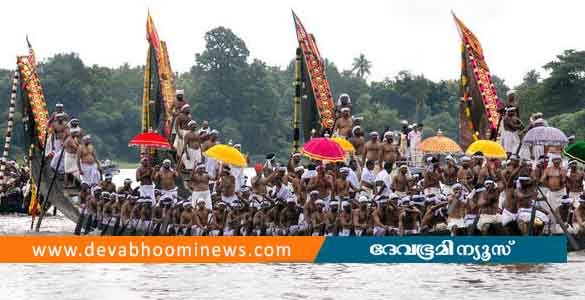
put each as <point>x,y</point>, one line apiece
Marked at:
<point>71,146</point>
<point>510,139</point>
<point>358,141</point>
<point>192,154</point>
<point>555,178</point>
<point>199,184</point>
<point>166,178</point>
<point>182,128</point>
<point>389,151</point>
<point>343,102</point>
<point>227,186</point>
<point>344,123</point>
<point>87,163</point>
<point>372,149</point>
<point>144,175</point>
<point>575,178</point>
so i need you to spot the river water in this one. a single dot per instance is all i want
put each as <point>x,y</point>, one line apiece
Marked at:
<point>279,281</point>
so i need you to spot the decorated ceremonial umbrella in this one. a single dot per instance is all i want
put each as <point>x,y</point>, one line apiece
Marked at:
<point>576,151</point>
<point>490,149</point>
<point>439,144</point>
<point>150,139</point>
<point>227,154</point>
<point>323,149</point>
<point>546,136</point>
<point>345,144</point>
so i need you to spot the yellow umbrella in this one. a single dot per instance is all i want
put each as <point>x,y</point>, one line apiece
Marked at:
<point>490,149</point>
<point>439,144</point>
<point>345,144</point>
<point>227,154</point>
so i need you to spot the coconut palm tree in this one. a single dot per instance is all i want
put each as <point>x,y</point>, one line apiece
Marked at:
<point>361,66</point>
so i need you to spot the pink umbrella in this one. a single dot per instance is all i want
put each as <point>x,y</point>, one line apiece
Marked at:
<point>323,149</point>
<point>150,139</point>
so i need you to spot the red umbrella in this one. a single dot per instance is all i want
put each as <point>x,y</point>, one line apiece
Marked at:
<point>150,139</point>
<point>323,149</point>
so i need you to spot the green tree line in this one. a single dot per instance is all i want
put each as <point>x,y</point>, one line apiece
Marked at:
<point>250,102</point>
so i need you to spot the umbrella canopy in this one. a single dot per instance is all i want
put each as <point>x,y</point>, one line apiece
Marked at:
<point>345,144</point>
<point>547,136</point>
<point>439,144</point>
<point>576,151</point>
<point>490,149</point>
<point>227,154</point>
<point>150,139</point>
<point>323,149</point>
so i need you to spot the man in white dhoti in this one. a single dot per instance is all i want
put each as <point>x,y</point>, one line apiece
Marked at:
<point>555,178</point>
<point>87,163</point>
<point>144,175</point>
<point>510,139</point>
<point>199,184</point>
<point>71,146</point>
<point>192,143</point>
<point>182,129</point>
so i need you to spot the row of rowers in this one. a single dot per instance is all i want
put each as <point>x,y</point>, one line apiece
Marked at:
<point>472,194</point>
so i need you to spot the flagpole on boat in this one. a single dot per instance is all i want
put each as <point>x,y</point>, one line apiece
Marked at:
<point>297,100</point>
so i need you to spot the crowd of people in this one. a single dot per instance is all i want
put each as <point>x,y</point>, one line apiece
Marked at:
<point>377,192</point>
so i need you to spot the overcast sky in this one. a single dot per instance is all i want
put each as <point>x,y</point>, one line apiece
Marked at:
<point>415,35</point>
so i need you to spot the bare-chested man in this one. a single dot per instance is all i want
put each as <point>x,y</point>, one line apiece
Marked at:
<point>579,216</point>
<point>294,162</point>
<point>182,128</point>
<point>342,185</point>
<point>211,165</point>
<point>360,217</point>
<point>218,219</point>
<point>318,218</point>
<point>344,101</point>
<point>200,218</point>
<point>509,176</point>
<point>144,175</point>
<point>575,178</point>
<point>199,184</point>
<point>525,193</point>
<point>409,220</point>
<point>510,138</point>
<point>322,183</point>
<point>71,147</point>
<point>192,154</point>
<point>358,141</point>
<point>489,207</point>
<point>465,174</point>
<point>166,180</point>
<point>344,123</point>
<point>555,179</point>
<point>389,152</point>
<point>332,220</point>
<point>87,163</point>
<point>372,148</point>
<point>432,177</point>
<point>345,219</point>
<point>227,186</point>
<point>449,175</point>
<point>289,217</point>
<point>456,209</point>
<point>107,185</point>
<point>401,183</point>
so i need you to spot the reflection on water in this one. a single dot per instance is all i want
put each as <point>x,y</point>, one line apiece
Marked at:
<point>280,281</point>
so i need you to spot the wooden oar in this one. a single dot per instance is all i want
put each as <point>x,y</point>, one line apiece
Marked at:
<point>38,181</point>
<point>572,242</point>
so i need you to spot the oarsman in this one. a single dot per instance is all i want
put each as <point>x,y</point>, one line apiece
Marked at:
<point>259,221</point>
<point>389,151</point>
<point>379,218</point>
<point>186,219</point>
<point>166,179</point>
<point>92,207</point>
<point>565,212</point>
<point>571,140</point>
<point>488,207</point>
<point>279,191</point>
<point>525,193</point>
<point>472,207</point>
<point>289,217</point>
<point>488,169</point>
<point>199,184</point>
<point>322,183</point>
<point>192,154</point>
<point>310,206</point>
<point>579,216</point>
<point>342,185</point>
<point>71,147</point>
<point>449,175</point>
<point>368,179</point>
<point>343,102</point>
<point>555,179</point>
<point>145,216</point>
<point>158,215</point>
<point>331,220</point>
<point>145,175</point>
<point>358,141</point>
<point>201,217</point>
<point>318,218</point>
<point>87,163</point>
<point>294,162</point>
<point>476,166</point>
<point>135,215</point>
<point>126,212</point>
<point>107,185</point>
<point>392,213</point>
<point>247,227</point>
<point>344,123</point>
<point>372,148</point>
<point>384,181</point>
<point>510,175</point>
<point>126,188</point>
<point>510,138</point>
<point>182,128</point>
<point>345,219</point>
<point>259,182</point>
<point>227,186</point>
<point>465,173</point>
<point>360,217</point>
<point>435,215</point>
<point>401,183</point>
<point>273,218</point>
<point>409,220</point>
<point>218,218</point>
<point>299,189</point>
<point>575,178</point>
<point>432,177</point>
